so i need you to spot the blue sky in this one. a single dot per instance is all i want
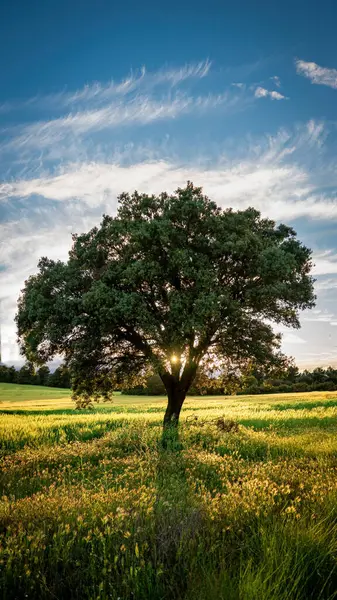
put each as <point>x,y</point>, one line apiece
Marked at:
<point>99,98</point>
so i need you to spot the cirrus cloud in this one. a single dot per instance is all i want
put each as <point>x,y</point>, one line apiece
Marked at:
<point>317,75</point>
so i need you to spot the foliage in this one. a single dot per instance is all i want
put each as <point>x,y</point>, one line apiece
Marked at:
<point>169,283</point>
<point>60,378</point>
<point>8,374</point>
<point>205,383</point>
<point>27,375</point>
<point>43,375</point>
<point>291,380</point>
<point>231,382</point>
<point>153,386</point>
<point>91,506</point>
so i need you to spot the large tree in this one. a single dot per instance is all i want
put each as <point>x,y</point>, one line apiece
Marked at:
<point>170,282</point>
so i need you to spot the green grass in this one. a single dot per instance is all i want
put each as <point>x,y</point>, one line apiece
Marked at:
<point>93,507</point>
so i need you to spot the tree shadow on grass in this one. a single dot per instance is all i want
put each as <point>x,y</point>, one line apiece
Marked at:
<point>278,560</point>
<point>178,519</point>
<point>184,541</point>
<point>61,433</point>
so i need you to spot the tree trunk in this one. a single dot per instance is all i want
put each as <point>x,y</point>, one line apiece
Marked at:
<point>176,399</point>
<point>177,387</point>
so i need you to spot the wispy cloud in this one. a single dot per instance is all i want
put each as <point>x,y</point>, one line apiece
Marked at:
<point>322,285</point>
<point>325,263</point>
<point>262,92</point>
<point>141,99</point>
<point>98,93</point>
<point>140,79</point>
<point>140,110</point>
<point>276,80</point>
<point>316,74</point>
<point>98,109</point>
<point>263,176</point>
<point>319,316</point>
<point>275,189</point>
<point>289,336</point>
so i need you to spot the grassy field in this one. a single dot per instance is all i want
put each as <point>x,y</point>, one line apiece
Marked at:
<point>94,506</point>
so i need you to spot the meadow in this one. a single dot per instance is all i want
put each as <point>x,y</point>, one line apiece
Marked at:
<point>95,504</point>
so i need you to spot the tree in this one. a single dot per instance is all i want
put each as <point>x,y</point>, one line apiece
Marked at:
<point>43,375</point>
<point>154,385</point>
<point>3,374</point>
<point>332,374</point>
<point>169,282</point>
<point>250,384</point>
<point>54,379</point>
<point>11,374</point>
<point>319,375</point>
<point>26,374</point>
<point>60,378</point>
<point>216,377</point>
<point>284,369</point>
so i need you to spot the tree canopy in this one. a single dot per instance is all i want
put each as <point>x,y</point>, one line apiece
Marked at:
<point>170,282</point>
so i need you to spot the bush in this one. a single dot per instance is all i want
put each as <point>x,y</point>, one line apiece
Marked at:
<point>326,386</point>
<point>301,387</point>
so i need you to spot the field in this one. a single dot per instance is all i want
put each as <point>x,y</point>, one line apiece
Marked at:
<point>97,505</point>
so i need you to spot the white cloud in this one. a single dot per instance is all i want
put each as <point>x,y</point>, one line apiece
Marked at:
<point>325,263</point>
<point>322,285</point>
<point>97,93</point>
<point>261,92</point>
<point>311,360</point>
<point>293,338</point>
<point>290,337</point>
<point>20,256</point>
<point>139,110</point>
<point>24,242</point>
<point>276,80</point>
<point>142,79</point>
<point>317,75</point>
<point>241,86</point>
<point>277,96</point>
<point>273,189</point>
<point>320,316</point>
<point>264,177</point>
<point>141,99</point>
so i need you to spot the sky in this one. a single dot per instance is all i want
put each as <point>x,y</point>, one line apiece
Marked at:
<point>100,98</point>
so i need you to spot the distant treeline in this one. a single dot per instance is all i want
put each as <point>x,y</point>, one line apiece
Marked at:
<point>255,383</point>
<point>27,375</point>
